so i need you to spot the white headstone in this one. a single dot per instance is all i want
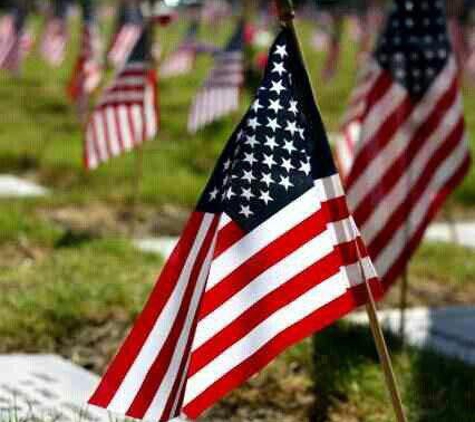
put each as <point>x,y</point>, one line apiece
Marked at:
<point>11,186</point>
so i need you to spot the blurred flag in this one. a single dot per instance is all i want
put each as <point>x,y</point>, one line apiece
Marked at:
<point>126,115</point>
<point>269,256</point>
<point>219,95</point>
<point>14,41</point>
<point>129,27</point>
<point>55,35</point>
<point>87,71</point>
<point>182,60</point>
<point>404,147</point>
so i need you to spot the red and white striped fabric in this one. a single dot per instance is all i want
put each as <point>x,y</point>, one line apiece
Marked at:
<point>125,117</point>
<point>252,274</point>
<point>180,62</point>
<point>404,147</point>
<point>15,44</point>
<point>123,43</point>
<point>54,41</point>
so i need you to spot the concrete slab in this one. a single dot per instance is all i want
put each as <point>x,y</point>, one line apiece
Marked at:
<point>12,186</point>
<point>448,331</point>
<point>46,388</point>
<point>462,232</point>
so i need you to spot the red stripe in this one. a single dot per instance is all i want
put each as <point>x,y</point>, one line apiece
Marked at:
<point>271,254</point>
<point>401,213</point>
<point>295,333</point>
<point>402,163</point>
<point>396,269</point>
<point>157,371</point>
<point>291,290</point>
<point>164,287</point>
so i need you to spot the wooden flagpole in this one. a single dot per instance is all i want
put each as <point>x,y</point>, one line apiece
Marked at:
<point>286,16</point>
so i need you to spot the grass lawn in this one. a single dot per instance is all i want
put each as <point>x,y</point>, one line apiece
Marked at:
<point>71,283</point>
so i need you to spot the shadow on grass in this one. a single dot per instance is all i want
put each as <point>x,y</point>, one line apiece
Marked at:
<point>434,388</point>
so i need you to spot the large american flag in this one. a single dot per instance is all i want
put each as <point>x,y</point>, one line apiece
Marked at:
<point>269,256</point>
<point>219,95</point>
<point>129,27</point>
<point>126,115</point>
<point>405,145</point>
<point>87,71</point>
<point>55,34</point>
<point>15,41</point>
<point>182,60</point>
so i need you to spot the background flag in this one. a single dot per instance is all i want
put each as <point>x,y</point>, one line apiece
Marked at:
<point>55,35</point>
<point>404,141</point>
<point>126,115</point>
<point>268,257</point>
<point>87,71</point>
<point>15,42</point>
<point>219,95</point>
<point>129,27</point>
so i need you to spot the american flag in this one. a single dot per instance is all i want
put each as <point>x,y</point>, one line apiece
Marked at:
<point>129,27</point>
<point>87,71</point>
<point>182,60</point>
<point>126,115</point>
<point>15,42</point>
<point>405,148</point>
<point>55,35</point>
<point>219,95</point>
<point>269,256</point>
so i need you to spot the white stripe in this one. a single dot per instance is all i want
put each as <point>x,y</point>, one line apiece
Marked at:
<point>262,285</point>
<point>132,382</point>
<point>111,130</point>
<point>100,139</point>
<point>394,148</point>
<point>155,411</point>
<point>383,210</point>
<point>124,127</point>
<point>398,242</point>
<point>314,299</point>
<point>92,158</point>
<point>150,112</point>
<point>137,117</point>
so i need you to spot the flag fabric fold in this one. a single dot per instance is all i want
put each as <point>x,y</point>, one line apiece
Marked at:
<point>404,147</point>
<point>219,96</point>
<point>269,256</point>
<point>55,35</point>
<point>127,113</point>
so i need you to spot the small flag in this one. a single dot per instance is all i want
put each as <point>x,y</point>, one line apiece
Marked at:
<point>55,35</point>
<point>182,60</point>
<point>87,71</point>
<point>219,95</point>
<point>15,42</point>
<point>129,27</point>
<point>404,148</point>
<point>269,256</point>
<point>126,115</point>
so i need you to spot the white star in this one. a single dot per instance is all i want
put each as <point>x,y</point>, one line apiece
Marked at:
<point>267,179</point>
<point>285,182</point>
<point>240,134</point>
<point>275,106</point>
<point>227,164</point>
<point>293,107</point>
<point>256,106</point>
<point>305,167</point>
<point>249,158</point>
<point>247,193</point>
<point>269,161</point>
<point>272,124</point>
<point>251,140</point>
<point>292,128</point>
<point>289,146</point>
<point>265,197</point>
<point>247,175</point>
<point>287,164</point>
<point>301,130</point>
<point>277,86</point>
<point>246,211</point>
<point>230,193</point>
<point>278,68</point>
<point>213,194</point>
<point>270,142</point>
<point>281,50</point>
<point>253,123</point>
